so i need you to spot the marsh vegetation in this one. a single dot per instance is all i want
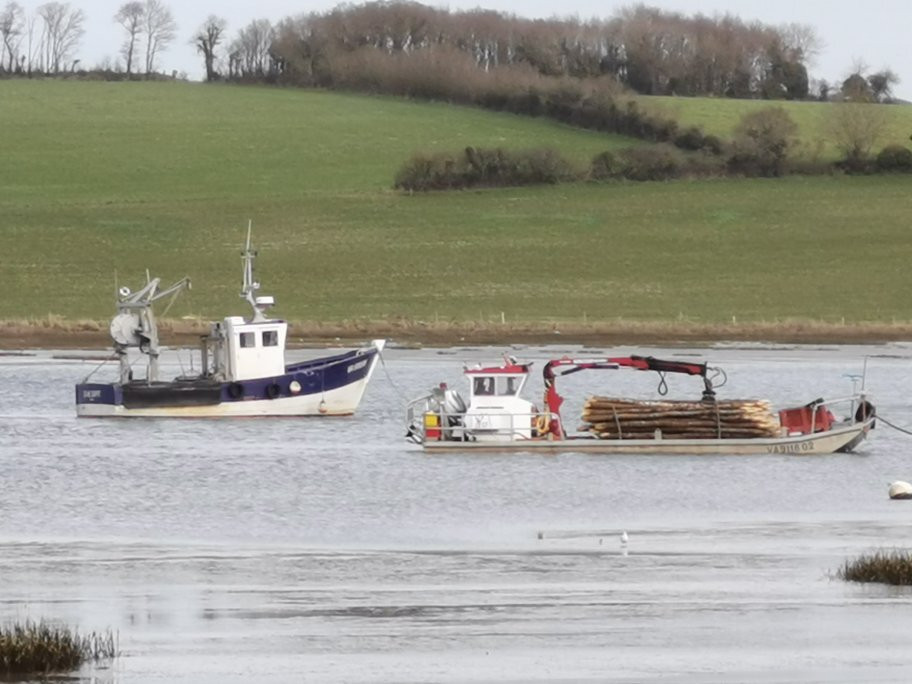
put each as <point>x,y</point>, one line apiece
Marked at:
<point>35,648</point>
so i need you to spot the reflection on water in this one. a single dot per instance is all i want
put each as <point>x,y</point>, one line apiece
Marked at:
<point>331,550</point>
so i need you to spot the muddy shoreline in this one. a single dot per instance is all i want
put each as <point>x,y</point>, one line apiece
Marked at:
<point>94,335</point>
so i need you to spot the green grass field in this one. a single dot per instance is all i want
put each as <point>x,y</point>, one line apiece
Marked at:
<point>720,116</point>
<point>100,181</point>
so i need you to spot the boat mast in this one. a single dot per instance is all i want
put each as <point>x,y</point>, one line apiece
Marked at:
<point>251,286</point>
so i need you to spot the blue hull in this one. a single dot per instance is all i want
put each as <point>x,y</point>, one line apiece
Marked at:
<point>312,379</point>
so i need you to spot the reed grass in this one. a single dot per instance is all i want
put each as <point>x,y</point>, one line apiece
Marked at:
<point>884,567</point>
<point>35,648</point>
<point>59,333</point>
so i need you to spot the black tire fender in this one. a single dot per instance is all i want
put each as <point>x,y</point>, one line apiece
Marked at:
<point>865,410</point>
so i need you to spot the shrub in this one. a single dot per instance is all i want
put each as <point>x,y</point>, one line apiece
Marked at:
<point>563,101</point>
<point>763,139</point>
<point>713,144</point>
<point>38,648</point>
<point>855,129</point>
<point>543,166</point>
<point>605,166</point>
<point>424,172</point>
<point>704,164</point>
<point>895,158</point>
<point>480,167</point>
<point>691,138</point>
<point>694,139</point>
<point>651,162</point>
<point>885,567</point>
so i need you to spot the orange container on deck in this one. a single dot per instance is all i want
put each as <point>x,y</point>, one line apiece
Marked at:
<point>806,419</point>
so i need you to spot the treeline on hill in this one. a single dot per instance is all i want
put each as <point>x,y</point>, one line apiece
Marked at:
<point>645,49</point>
<point>649,51</point>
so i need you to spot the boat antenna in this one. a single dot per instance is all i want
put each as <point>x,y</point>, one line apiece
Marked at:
<point>250,286</point>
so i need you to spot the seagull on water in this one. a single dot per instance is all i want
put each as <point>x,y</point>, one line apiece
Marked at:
<point>624,538</point>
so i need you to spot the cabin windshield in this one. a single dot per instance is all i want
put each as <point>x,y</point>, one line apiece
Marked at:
<point>487,385</point>
<point>483,386</point>
<point>508,386</point>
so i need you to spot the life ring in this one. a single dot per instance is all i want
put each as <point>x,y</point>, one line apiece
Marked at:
<point>272,391</point>
<point>235,390</point>
<point>543,424</point>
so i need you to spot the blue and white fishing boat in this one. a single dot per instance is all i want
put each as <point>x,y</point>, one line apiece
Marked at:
<point>242,362</point>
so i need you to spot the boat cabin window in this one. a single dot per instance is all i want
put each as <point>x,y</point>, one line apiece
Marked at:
<point>506,387</point>
<point>483,386</point>
<point>270,338</point>
<point>247,339</point>
<point>501,387</point>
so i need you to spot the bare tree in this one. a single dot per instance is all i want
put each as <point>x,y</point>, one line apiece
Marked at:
<point>855,128</point>
<point>34,48</point>
<point>130,16</point>
<point>63,29</point>
<point>252,47</point>
<point>160,28</point>
<point>207,38</point>
<point>12,23</point>
<point>800,41</point>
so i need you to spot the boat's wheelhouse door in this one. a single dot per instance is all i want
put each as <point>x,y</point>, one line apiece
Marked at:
<point>255,350</point>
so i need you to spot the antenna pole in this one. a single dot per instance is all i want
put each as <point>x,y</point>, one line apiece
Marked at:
<point>250,286</point>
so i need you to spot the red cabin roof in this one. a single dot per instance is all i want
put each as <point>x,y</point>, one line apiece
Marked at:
<point>509,369</point>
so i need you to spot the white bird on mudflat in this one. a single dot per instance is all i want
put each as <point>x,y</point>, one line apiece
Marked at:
<point>624,538</point>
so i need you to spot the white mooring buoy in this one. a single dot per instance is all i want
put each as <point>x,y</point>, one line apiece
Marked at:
<point>901,490</point>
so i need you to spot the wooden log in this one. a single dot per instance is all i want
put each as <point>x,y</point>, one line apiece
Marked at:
<point>608,418</point>
<point>600,418</point>
<point>752,417</point>
<point>689,435</point>
<point>652,404</point>
<point>680,427</point>
<point>678,414</point>
<point>595,406</point>
<point>668,427</point>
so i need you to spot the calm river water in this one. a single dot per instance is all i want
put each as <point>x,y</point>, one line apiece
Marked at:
<point>330,550</point>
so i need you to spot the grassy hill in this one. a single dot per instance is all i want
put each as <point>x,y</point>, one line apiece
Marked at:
<point>720,116</point>
<point>99,181</point>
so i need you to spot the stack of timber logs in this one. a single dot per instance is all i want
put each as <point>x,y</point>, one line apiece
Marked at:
<point>630,419</point>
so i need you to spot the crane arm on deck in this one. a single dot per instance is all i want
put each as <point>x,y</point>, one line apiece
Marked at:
<point>566,366</point>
